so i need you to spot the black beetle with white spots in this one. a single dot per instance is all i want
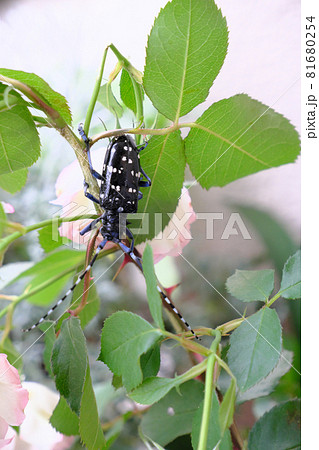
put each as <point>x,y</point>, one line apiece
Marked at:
<point>121,178</point>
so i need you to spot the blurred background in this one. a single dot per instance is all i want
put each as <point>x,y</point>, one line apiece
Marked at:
<point>63,42</point>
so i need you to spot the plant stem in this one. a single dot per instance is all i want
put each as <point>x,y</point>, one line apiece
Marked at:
<point>6,241</point>
<point>95,94</point>
<point>274,298</point>
<point>87,278</point>
<point>81,155</point>
<point>149,131</point>
<point>8,324</point>
<point>209,383</point>
<point>52,114</point>
<point>194,372</point>
<point>187,344</point>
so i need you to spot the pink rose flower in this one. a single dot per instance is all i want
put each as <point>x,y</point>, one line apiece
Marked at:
<point>13,400</point>
<point>71,198</point>
<point>177,232</point>
<point>36,428</point>
<point>8,209</point>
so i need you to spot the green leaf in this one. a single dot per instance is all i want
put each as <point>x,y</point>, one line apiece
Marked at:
<point>92,302</point>
<point>150,362</point>
<point>251,285</point>
<point>127,91</point>
<point>214,434</point>
<point>69,362</point>
<point>9,97</point>
<point>19,140</point>
<point>278,428</point>
<point>107,99</point>
<point>40,87</point>
<point>173,415</point>
<point>255,348</point>
<point>236,137</point>
<point>227,408</point>
<point>3,219</point>
<point>90,427</point>
<point>14,357</point>
<point>117,382</point>
<point>153,389</point>
<point>153,296</point>
<point>49,339</point>
<point>49,268</point>
<point>50,239</point>
<point>126,334</point>
<point>113,433</point>
<point>291,277</point>
<point>267,385</point>
<point>164,162</point>
<point>147,441</point>
<point>64,419</point>
<point>185,52</point>
<point>14,181</point>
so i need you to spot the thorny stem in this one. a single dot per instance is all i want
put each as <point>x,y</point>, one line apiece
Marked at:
<point>53,115</point>
<point>209,387</point>
<point>89,253</point>
<point>8,324</point>
<point>81,155</point>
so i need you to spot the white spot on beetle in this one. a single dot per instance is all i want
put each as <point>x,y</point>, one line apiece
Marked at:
<point>130,189</point>
<point>125,147</point>
<point>124,158</point>
<point>114,169</point>
<point>130,161</point>
<point>118,188</point>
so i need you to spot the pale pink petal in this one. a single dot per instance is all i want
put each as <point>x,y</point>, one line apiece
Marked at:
<point>70,196</point>
<point>70,179</point>
<point>8,209</point>
<point>15,442</point>
<point>64,444</point>
<point>3,428</point>
<point>176,234</point>
<point>14,397</point>
<point>7,435</point>
<point>36,428</point>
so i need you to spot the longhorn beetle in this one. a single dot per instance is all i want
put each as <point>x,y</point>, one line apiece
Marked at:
<point>121,178</point>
